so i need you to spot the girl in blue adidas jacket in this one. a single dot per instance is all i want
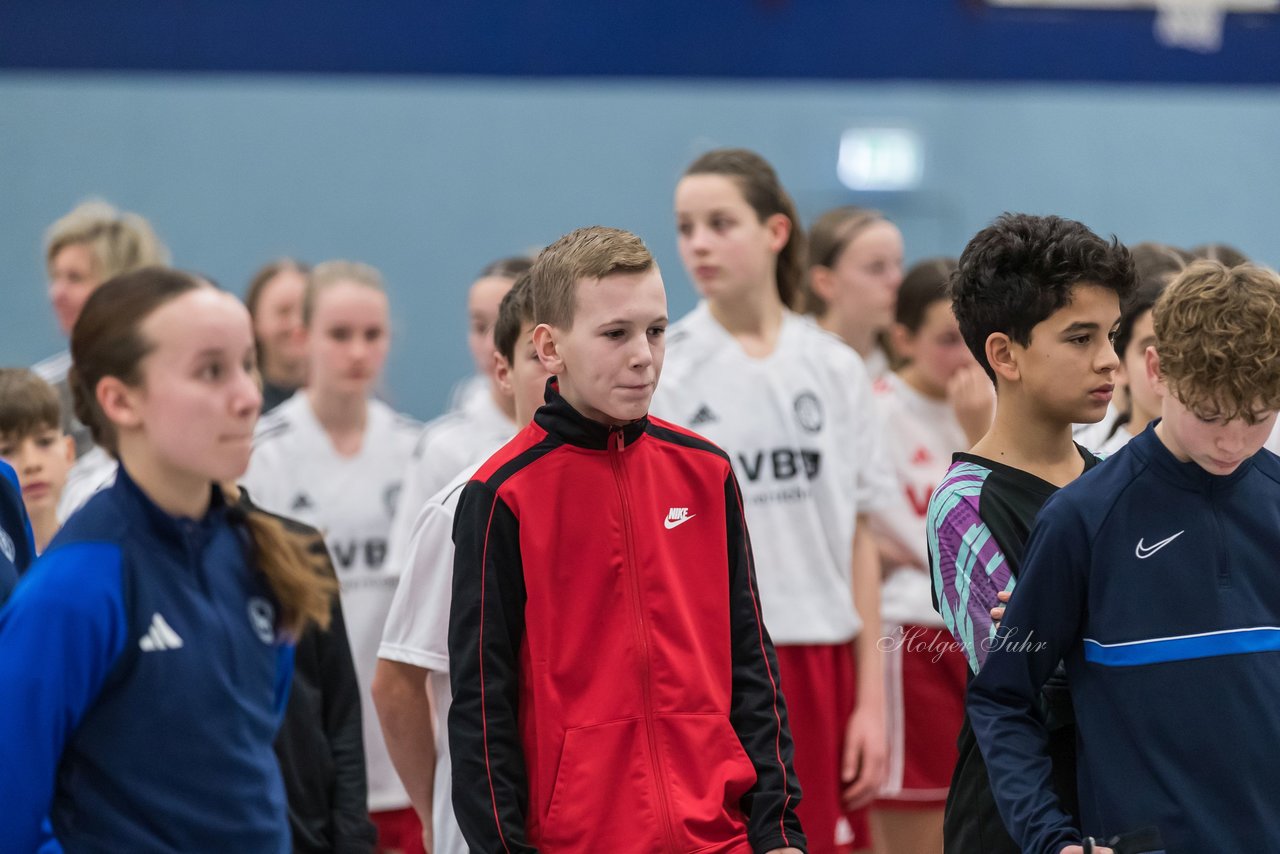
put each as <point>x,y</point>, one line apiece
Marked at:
<point>146,656</point>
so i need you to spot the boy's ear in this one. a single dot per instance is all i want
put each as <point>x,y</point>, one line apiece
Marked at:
<point>502,374</point>
<point>544,344</point>
<point>1001,356</point>
<point>1154,374</point>
<point>119,402</point>
<point>779,227</point>
<point>69,443</point>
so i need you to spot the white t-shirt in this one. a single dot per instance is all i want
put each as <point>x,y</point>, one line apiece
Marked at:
<point>920,436</point>
<point>1093,436</point>
<point>802,431</point>
<point>1112,443</point>
<point>95,471</point>
<point>877,364</point>
<point>417,633</point>
<point>296,472</point>
<point>446,446</point>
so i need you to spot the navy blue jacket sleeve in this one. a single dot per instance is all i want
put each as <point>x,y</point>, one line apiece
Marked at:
<point>17,547</point>
<point>758,712</point>
<point>1042,624</point>
<point>60,635</point>
<point>486,627</point>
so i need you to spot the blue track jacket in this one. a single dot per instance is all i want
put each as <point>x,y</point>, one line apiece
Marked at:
<point>17,550</point>
<point>143,684</point>
<point>1158,584</point>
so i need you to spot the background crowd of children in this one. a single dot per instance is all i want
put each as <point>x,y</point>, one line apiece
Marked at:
<point>837,383</point>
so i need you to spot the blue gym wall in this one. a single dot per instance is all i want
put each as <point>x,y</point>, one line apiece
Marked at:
<point>434,166</point>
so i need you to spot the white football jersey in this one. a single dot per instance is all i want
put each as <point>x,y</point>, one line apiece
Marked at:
<point>805,440</point>
<point>446,446</point>
<point>295,472</point>
<point>920,436</point>
<point>92,473</point>
<point>417,633</point>
<point>877,364</point>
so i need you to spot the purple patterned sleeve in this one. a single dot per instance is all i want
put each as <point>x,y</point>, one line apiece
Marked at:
<point>965,560</point>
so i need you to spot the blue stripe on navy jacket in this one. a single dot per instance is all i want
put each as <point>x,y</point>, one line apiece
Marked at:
<point>1159,585</point>
<point>17,549</point>
<point>143,686</point>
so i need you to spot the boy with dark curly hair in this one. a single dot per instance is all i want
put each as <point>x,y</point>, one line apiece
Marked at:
<point>1037,299</point>
<point>1154,579</point>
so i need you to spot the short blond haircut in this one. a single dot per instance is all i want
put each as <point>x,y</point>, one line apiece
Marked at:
<point>588,253</point>
<point>120,241</point>
<point>1218,336</point>
<point>330,273</point>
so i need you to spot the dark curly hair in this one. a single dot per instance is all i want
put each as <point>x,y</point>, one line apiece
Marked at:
<point>1020,269</point>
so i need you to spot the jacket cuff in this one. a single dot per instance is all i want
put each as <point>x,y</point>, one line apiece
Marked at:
<point>763,845</point>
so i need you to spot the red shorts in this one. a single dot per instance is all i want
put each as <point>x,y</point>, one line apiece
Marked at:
<point>820,687</point>
<point>399,831</point>
<point>925,675</point>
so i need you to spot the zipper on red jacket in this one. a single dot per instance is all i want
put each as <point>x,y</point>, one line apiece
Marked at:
<point>616,446</point>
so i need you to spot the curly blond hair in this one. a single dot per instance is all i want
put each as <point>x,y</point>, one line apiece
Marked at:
<point>1218,336</point>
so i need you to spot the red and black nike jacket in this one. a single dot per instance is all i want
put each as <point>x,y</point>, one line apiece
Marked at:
<point>614,687</point>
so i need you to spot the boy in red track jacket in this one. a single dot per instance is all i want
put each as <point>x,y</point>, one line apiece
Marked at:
<point>614,688</point>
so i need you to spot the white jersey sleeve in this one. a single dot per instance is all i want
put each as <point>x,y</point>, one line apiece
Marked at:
<point>93,472</point>
<point>417,625</point>
<point>417,633</point>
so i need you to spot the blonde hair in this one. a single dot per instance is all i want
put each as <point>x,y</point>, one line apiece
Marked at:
<point>1218,336</point>
<point>329,273</point>
<point>588,253</point>
<point>120,241</point>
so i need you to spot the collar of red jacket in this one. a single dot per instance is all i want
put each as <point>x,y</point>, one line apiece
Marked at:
<point>561,420</point>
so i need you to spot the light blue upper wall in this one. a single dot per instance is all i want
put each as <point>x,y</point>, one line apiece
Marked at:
<point>431,178</point>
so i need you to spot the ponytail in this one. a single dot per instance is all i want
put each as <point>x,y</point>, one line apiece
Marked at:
<point>295,562</point>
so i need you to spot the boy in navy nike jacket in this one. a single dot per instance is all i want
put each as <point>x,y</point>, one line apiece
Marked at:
<point>1154,578</point>
<point>614,688</point>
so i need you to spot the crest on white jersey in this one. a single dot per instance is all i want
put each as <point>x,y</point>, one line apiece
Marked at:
<point>391,497</point>
<point>809,411</point>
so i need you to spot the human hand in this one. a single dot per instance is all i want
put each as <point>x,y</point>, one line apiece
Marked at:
<point>865,757</point>
<point>1079,849</point>
<point>973,399</point>
<point>997,613</point>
